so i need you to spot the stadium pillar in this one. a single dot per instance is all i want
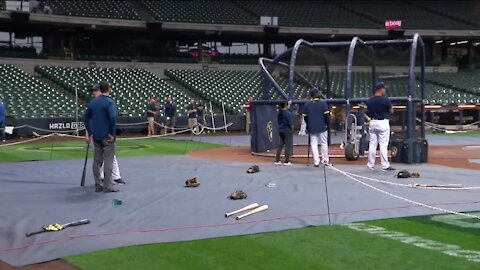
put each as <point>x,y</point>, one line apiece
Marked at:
<point>267,48</point>
<point>200,50</point>
<point>471,56</point>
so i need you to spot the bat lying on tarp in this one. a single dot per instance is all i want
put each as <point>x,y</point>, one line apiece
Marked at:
<point>58,227</point>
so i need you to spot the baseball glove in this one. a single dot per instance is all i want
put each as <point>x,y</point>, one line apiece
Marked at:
<point>192,182</point>
<point>407,174</point>
<point>237,195</point>
<point>253,169</point>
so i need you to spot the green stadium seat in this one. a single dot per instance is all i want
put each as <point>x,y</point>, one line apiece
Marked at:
<point>27,97</point>
<point>99,8</point>
<point>199,11</point>
<point>131,87</point>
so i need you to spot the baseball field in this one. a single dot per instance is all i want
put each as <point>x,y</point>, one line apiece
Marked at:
<point>443,241</point>
<point>327,247</point>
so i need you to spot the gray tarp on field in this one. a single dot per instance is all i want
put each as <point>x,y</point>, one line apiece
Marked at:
<point>157,208</point>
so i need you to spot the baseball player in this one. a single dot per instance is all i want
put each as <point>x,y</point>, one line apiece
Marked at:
<point>303,124</point>
<point>115,169</point>
<point>317,117</point>
<point>379,108</point>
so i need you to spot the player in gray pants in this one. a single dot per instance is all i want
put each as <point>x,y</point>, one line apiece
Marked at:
<point>100,120</point>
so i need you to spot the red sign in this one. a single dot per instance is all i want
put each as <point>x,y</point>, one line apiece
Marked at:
<point>393,24</point>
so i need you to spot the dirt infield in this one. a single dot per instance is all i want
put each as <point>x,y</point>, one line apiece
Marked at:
<point>53,265</point>
<point>451,156</point>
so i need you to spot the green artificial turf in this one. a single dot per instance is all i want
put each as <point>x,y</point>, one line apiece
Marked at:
<point>76,149</point>
<point>466,238</point>
<point>325,247</point>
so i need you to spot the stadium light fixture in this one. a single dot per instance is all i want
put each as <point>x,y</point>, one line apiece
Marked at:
<point>439,41</point>
<point>433,106</point>
<point>453,44</point>
<point>399,107</point>
<point>464,106</point>
<point>476,43</point>
<point>462,42</point>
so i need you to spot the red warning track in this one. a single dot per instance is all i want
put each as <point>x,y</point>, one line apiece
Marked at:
<point>451,156</point>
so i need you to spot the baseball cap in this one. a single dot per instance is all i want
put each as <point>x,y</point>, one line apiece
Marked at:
<point>314,91</point>
<point>95,87</point>
<point>379,85</point>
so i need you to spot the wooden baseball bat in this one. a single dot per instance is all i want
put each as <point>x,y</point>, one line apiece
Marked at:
<point>254,211</point>
<point>82,181</point>
<point>248,207</point>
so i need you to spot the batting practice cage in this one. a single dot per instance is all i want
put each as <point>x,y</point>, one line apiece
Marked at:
<point>346,72</point>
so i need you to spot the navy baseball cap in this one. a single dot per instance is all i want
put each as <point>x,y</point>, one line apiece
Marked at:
<point>314,91</point>
<point>96,87</point>
<point>380,85</point>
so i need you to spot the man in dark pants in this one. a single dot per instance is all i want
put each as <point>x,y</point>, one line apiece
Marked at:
<point>285,130</point>
<point>170,110</point>
<point>100,119</point>
<point>2,122</point>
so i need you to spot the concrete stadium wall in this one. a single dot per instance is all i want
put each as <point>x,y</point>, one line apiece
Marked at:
<point>68,124</point>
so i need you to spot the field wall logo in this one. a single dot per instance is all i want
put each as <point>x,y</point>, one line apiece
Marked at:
<point>65,125</point>
<point>270,131</point>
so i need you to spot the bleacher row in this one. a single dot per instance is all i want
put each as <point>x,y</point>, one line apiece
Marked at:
<point>460,14</point>
<point>28,97</point>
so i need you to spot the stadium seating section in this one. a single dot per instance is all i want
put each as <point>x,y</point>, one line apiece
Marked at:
<point>308,13</point>
<point>199,11</point>
<point>411,16</point>
<point>131,87</point>
<point>17,51</point>
<point>231,87</point>
<point>115,9</point>
<point>25,96</point>
<point>462,14</point>
<point>466,11</point>
<point>468,82</point>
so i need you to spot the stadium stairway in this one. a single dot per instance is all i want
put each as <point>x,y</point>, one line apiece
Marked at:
<point>180,87</point>
<point>81,101</point>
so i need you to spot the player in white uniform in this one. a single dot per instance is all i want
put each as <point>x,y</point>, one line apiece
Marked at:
<point>317,117</point>
<point>380,109</point>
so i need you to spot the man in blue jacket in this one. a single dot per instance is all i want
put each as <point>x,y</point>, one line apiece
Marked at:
<point>100,120</point>
<point>317,117</point>
<point>285,130</point>
<point>2,121</point>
